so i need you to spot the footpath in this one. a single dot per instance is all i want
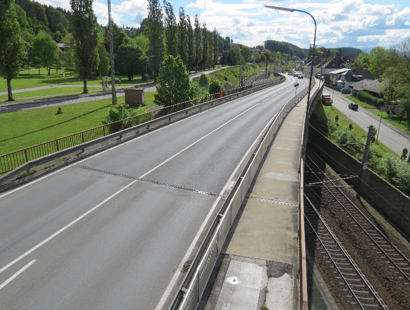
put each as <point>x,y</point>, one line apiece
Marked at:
<point>259,264</point>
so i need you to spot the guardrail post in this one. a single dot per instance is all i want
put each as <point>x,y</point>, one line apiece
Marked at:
<point>25,152</point>
<point>57,145</point>
<point>82,135</point>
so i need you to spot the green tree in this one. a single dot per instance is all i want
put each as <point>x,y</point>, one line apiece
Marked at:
<point>143,42</point>
<point>203,80</point>
<point>173,83</point>
<point>171,30</point>
<point>69,52</point>
<point>215,48</point>
<point>44,51</point>
<point>246,53</point>
<point>11,44</point>
<point>214,87</point>
<point>183,36</point>
<point>191,44</point>
<point>130,59</point>
<point>156,35</point>
<point>85,34</point>
<point>104,60</point>
<point>205,46</point>
<point>198,43</point>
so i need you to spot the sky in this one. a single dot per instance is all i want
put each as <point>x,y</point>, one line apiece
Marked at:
<point>361,24</point>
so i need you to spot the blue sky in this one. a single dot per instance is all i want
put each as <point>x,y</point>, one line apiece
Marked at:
<point>340,23</point>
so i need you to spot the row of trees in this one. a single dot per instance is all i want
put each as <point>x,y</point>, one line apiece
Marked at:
<point>392,67</point>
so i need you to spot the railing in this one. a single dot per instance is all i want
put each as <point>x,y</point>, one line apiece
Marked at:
<point>15,159</point>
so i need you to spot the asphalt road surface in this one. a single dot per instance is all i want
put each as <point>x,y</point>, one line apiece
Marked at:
<point>113,231</point>
<point>389,137</point>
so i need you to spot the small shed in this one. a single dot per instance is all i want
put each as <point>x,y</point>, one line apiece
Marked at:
<point>134,95</point>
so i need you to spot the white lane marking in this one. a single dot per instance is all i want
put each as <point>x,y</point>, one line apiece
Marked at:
<point>17,274</point>
<point>116,193</point>
<point>64,228</point>
<point>200,231</point>
<point>111,148</point>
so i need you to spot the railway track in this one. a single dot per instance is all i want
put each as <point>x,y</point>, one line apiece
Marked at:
<point>357,289</point>
<point>393,257</point>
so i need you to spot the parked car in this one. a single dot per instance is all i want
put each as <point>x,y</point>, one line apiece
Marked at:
<point>345,90</point>
<point>353,106</point>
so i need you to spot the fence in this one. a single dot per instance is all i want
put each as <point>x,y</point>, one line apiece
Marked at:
<point>15,159</point>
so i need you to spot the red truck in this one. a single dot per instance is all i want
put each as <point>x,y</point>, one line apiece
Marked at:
<point>327,98</point>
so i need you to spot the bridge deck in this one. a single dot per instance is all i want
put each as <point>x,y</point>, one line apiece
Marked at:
<point>260,261</point>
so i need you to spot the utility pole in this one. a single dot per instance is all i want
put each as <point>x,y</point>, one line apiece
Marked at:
<point>114,94</point>
<point>365,156</point>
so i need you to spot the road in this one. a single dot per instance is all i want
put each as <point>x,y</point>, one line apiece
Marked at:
<point>113,231</point>
<point>389,137</point>
<point>21,106</point>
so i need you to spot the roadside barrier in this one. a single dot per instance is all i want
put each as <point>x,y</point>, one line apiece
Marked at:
<point>18,162</point>
<point>190,292</point>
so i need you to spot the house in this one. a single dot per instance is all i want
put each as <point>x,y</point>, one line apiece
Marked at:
<point>308,65</point>
<point>332,65</point>
<point>351,76</point>
<point>334,76</point>
<point>374,87</point>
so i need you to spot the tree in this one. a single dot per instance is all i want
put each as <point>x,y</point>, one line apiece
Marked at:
<point>205,45</point>
<point>173,83</point>
<point>191,45</point>
<point>215,48</point>
<point>214,87</point>
<point>130,59</point>
<point>104,60</point>
<point>198,43</point>
<point>44,51</point>
<point>156,35</point>
<point>246,53</point>
<point>171,30</point>
<point>11,44</point>
<point>84,24</point>
<point>183,36</point>
<point>68,54</point>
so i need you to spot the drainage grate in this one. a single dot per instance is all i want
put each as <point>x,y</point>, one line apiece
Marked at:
<point>151,181</point>
<point>284,202</point>
<point>186,267</point>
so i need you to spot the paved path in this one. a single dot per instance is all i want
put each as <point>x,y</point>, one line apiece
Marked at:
<point>391,136</point>
<point>114,230</point>
<point>38,104</point>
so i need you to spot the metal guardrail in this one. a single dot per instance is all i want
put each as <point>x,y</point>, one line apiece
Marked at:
<point>78,143</point>
<point>190,293</point>
<point>15,159</point>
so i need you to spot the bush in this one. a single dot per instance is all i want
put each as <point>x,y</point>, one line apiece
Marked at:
<point>214,87</point>
<point>117,113</point>
<point>395,171</point>
<point>203,80</point>
<point>366,97</point>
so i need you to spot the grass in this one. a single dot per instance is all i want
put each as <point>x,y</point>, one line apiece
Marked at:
<point>395,120</point>
<point>27,128</point>
<point>28,79</point>
<point>361,103</point>
<point>324,112</point>
<point>47,92</point>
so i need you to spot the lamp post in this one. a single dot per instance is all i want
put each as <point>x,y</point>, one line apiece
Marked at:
<point>314,40</point>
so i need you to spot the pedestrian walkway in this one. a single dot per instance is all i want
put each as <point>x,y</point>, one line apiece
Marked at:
<point>260,259</point>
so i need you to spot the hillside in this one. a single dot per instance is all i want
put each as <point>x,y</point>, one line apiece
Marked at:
<point>284,48</point>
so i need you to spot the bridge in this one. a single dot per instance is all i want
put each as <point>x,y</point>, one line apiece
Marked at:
<point>141,224</point>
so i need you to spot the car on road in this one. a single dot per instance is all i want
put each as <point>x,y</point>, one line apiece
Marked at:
<point>345,90</point>
<point>353,106</point>
<point>300,76</point>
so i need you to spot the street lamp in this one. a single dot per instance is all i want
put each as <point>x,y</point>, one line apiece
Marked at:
<point>314,40</point>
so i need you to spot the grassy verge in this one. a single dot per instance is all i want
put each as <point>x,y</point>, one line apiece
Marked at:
<point>361,103</point>
<point>27,128</point>
<point>324,112</point>
<point>48,92</point>
<point>395,120</point>
<point>28,79</point>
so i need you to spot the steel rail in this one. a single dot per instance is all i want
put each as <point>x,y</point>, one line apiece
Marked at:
<point>347,257</point>
<point>365,218</point>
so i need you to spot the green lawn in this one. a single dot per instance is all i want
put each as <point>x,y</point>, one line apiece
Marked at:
<point>361,103</point>
<point>22,129</point>
<point>28,79</point>
<point>51,91</point>
<point>395,120</point>
<point>324,112</point>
